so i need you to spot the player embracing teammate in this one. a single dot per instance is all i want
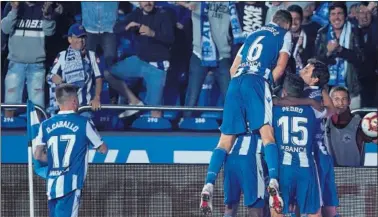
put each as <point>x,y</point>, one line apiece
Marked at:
<point>291,149</point>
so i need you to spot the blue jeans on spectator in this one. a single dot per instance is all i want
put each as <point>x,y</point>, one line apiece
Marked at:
<point>15,81</point>
<point>108,44</point>
<point>133,67</point>
<point>197,75</point>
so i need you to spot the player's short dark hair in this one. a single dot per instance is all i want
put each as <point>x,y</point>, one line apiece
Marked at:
<point>293,85</point>
<point>296,9</point>
<point>339,88</point>
<point>281,17</point>
<point>65,91</point>
<point>320,71</point>
<point>334,5</point>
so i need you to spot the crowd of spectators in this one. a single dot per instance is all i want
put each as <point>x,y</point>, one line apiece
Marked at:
<point>168,49</point>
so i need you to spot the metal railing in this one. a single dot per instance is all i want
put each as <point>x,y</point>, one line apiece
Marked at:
<point>3,105</point>
<point>147,108</point>
<point>159,108</point>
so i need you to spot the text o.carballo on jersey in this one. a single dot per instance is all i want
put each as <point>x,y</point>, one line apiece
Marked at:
<point>67,137</point>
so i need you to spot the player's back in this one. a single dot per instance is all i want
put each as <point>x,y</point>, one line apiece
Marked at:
<point>294,129</point>
<point>67,145</point>
<point>261,50</point>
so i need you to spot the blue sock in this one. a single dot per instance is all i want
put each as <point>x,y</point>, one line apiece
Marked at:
<point>271,158</point>
<point>216,163</point>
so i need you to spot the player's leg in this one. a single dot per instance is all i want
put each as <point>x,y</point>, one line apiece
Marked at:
<point>308,192</point>
<point>233,124</point>
<point>68,205</point>
<point>232,190</point>
<point>51,205</point>
<point>259,114</point>
<point>330,197</point>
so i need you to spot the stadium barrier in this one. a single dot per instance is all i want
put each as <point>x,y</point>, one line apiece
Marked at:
<point>170,189</point>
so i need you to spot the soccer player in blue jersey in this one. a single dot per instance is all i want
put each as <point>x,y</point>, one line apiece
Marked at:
<point>63,142</point>
<point>243,173</point>
<point>316,76</point>
<point>248,103</point>
<point>295,132</point>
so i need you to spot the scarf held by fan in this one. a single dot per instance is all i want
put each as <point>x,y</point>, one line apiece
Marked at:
<point>209,52</point>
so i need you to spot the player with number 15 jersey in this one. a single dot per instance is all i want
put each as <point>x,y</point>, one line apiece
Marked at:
<point>295,129</point>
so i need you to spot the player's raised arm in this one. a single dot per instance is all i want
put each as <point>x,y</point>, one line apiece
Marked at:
<point>40,153</point>
<point>95,138</point>
<point>283,57</point>
<point>237,62</point>
<point>327,101</point>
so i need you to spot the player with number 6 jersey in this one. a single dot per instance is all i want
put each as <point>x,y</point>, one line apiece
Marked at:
<point>248,103</point>
<point>295,129</point>
<point>63,142</point>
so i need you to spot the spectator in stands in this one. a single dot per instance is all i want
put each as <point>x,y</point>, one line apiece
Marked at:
<point>99,19</point>
<point>367,24</point>
<point>252,16</point>
<point>309,26</point>
<point>77,66</point>
<point>300,51</point>
<point>27,24</point>
<point>153,34</point>
<point>345,139</point>
<point>338,45</point>
<point>273,9</point>
<point>211,47</point>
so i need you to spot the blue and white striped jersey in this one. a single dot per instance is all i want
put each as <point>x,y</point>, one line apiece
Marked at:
<point>261,50</point>
<point>85,82</point>
<point>295,131</point>
<point>315,92</point>
<point>67,137</point>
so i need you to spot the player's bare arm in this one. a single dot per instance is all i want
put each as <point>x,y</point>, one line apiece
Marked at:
<point>281,66</point>
<point>40,154</point>
<point>235,65</point>
<point>328,104</point>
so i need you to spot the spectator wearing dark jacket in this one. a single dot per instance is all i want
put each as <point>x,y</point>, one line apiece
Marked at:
<point>153,36</point>
<point>300,50</point>
<point>368,30</point>
<point>338,44</point>
<point>27,24</point>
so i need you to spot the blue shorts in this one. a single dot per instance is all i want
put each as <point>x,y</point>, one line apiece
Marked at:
<point>66,206</point>
<point>244,174</point>
<point>248,105</point>
<point>327,181</point>
<point>300,186</point>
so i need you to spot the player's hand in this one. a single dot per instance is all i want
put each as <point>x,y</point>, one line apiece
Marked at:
<point>15,5</point>
<point>132,24</point>
<point>95,103</point>
<point>145,30</point>
<point>56,79</point>
<point>103,149</point>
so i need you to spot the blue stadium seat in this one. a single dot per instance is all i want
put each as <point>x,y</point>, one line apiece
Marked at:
<point>208,97</point>
<point>150,123</point>
<point>199,124</point>
<point>216,99</point>
<point>13,123</point>
<point>370,154</point>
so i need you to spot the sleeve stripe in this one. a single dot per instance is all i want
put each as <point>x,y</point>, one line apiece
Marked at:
<point>93,136</point>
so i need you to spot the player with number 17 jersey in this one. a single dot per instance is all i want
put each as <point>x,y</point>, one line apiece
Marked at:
<point>67,137</point>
